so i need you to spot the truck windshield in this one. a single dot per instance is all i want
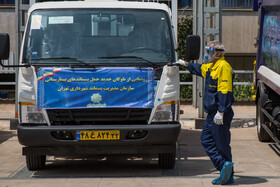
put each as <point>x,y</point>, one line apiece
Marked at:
<point>94,36</point>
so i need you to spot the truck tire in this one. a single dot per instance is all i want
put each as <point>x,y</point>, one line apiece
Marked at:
<point>263,136</point>
<point>35,162</point>
<point>166,160</point>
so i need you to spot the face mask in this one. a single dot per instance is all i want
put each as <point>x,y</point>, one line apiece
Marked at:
<point>209,54</point>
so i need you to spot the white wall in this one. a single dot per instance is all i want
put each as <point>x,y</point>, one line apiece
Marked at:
<point>239,31</point>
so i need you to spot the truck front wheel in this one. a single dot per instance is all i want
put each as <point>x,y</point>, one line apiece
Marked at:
<point>166,160</point>
<point>263,136</point>
<point>35,162</point>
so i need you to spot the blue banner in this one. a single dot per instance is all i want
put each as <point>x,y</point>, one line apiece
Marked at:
<point>107,87</point>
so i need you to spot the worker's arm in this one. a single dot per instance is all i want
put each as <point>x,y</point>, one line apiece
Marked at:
<point>224,88</point>
<point>198,69</point>
<point>194,68</point>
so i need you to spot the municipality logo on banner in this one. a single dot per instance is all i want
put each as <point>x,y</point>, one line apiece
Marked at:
<point>96,99</point>
<point>106,87</point>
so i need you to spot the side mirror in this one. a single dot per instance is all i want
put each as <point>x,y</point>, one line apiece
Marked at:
<point>4,46</point>
<point>5,51</point>
<point>192,47</point>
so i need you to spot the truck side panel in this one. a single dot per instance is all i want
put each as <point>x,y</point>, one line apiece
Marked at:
<point>268,72</point>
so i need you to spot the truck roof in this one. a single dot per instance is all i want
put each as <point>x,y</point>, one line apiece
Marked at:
<point>100,4</point>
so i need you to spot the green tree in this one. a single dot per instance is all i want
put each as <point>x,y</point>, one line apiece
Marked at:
<point>184,29</point>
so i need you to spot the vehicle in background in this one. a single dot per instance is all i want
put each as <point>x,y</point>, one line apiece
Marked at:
<point>98,78</point>
<point>267,71</point>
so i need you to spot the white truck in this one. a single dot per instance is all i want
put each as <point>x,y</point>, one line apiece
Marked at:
<point>98,78</point>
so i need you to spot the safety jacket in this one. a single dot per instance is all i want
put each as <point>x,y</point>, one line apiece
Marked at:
<point>218,95</point>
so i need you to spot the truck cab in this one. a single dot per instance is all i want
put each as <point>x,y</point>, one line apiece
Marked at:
<point>98,78</point>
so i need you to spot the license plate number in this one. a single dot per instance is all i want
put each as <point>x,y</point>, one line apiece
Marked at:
<point>98,135</point>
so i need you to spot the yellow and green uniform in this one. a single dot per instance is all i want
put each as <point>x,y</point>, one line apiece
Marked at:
<point>218,96</point>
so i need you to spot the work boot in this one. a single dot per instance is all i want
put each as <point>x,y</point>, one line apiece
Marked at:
<point>231,180</point>
<point>216,181</point>
<point>226,175</point>
<point>219,181</point>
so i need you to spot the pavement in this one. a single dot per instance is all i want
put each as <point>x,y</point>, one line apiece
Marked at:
<point>256,164</point>
<point>244,114</point>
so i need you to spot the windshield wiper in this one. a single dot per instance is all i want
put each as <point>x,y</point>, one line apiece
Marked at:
<point>135,57</point>
<point>66,58</point>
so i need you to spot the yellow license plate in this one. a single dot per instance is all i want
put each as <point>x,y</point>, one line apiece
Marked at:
<point>98,135</point>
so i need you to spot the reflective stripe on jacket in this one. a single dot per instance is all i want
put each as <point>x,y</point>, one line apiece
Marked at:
<point>218,95</point>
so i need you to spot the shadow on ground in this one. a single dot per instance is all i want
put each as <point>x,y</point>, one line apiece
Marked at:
<point>5,135</point>
<point>191,162</point>
<point>248,180</point>
<point>243,123</point>
<point>188,163</point>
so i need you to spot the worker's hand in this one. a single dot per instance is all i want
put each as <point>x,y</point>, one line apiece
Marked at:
<point>180,62</point>
<point>218,119</point>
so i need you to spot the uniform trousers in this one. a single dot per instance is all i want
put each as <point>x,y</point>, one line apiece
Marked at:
<point>215,139</point>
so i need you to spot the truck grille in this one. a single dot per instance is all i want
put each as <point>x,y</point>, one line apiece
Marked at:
<point>93,116</point>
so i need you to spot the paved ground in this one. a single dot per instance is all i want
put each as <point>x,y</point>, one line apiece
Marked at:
<point>255,163</point>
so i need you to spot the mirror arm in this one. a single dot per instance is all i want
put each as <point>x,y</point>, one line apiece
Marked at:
<point>14,66</point>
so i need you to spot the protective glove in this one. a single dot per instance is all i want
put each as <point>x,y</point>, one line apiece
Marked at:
<point>180,62</point>
<point>218,119</point>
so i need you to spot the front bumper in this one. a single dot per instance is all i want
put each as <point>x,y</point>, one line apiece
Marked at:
<point>160,138</point>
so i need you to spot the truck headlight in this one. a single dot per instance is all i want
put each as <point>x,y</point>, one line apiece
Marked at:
<point>29,113</point>
<point>168,111</point>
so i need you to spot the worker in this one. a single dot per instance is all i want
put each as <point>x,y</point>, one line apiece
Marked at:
<point>218,98</point>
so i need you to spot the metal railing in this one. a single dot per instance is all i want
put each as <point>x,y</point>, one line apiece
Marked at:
<point>234,83</point>
<point>237,3</point>
<point>7,2</point>
<point>243,72</point>
<point>150,1</point>
<point>225,3</point>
